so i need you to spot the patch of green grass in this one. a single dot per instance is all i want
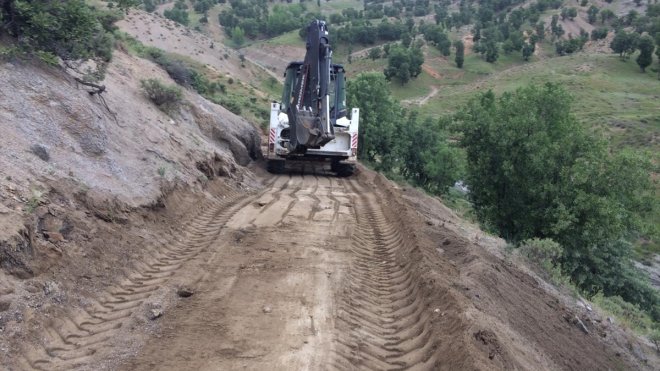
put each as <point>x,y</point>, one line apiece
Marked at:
<point>608,93</point>
<point>628,314</point>
<point>291,38</point>
<point>417,87</point>
<point>336,6</point>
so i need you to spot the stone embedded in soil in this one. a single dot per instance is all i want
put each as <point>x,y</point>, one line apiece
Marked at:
<point>53,236</point>
<point>267,309</point>
<point>185,292</point>
<point>155,313</point>
<point>4,305</point>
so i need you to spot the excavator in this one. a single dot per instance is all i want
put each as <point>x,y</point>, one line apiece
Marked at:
<point>311,123</point>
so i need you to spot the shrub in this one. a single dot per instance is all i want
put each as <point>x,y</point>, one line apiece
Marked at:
<point>166,97</point>
<point>630,314</point>
<point>599,33</point>
<point>542,250</point>
<point>545,256</point>
<point>232,106</point>
<point>69,29</point>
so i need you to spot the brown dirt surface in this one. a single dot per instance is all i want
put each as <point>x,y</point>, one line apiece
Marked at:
<point>154,30</point>
<point>307,271</point>
<point>274,58</point>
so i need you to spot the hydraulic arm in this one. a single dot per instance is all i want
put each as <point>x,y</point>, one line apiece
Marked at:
<point>309,111</point>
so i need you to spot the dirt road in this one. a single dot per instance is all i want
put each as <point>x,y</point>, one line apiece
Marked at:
<point>315,272</point>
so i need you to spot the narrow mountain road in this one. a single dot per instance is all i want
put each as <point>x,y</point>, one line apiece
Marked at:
<point>315,272</point>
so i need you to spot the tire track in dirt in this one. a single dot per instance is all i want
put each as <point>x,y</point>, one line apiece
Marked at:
<point>383,321</point>
<point>82,335</point>
<point>290,265</point>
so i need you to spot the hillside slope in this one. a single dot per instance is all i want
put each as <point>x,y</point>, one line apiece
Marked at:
<point>82,178</point>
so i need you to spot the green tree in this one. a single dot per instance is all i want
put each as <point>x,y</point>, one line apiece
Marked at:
<point>237,36</point>
<point>533,171</point>
<point>127,4</point>
<point>491,51</point>
<point>646,47</point>
<point>178,14</point>
<point>606,15</point>
<point>379,117</point>
<point>624,43</point>
<point>592,14</point>
<point>436,36</point>
<point>528,50</point>
<point>70,30</point>
<point>425,155</point>
<point>460,53</point>
<point>149,5</point>
<point>556,29</point>
<point>374,53</point>
<point>403,64</point>
<point>540,30</point>
<point>599,33</point>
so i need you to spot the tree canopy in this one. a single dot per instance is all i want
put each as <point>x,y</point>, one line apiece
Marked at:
<point>534,172</point>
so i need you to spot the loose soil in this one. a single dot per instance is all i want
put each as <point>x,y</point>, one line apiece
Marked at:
<point>310,271</point>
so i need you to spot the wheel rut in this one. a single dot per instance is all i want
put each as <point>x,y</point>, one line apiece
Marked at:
<point>383,322</point>
<point>84,335</point>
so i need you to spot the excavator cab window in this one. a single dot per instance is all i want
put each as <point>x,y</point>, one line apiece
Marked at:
<point>337,92</point>
<point>289,82</point>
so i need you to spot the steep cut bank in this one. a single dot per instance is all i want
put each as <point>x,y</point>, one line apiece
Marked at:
<point>89,186</point>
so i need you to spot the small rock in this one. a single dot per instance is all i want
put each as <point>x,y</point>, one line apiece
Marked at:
<point>53,236</point>
<point>4,305</point>
<point>436,310</point>
<point>155,313</point>
<point>185,292</point>
<point>50,287</point>
<point>261,203</point>
<point>267,309</point>
<point>581,325</point>
<point>40,151</point>
<point>428,222</point>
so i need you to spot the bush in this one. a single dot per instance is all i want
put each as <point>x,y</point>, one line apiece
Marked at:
<point>543,251</point>
<point>177,15</point>
<point>232,106</point>
<point>166,97</point>
<point>69,29</point>
<point>630,314</point>
<point>599,33</point>
<point>544,256</point>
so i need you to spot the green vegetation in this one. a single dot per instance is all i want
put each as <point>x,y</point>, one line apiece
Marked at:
<point>234,96</point>
<point>166,97</point>
<point>399,143</point>
<point>254,17</point>
<point>70,30</point>
<point>534,171</point>
<point>404,63</point>
<point>179,13</point>
<point>460,53</point>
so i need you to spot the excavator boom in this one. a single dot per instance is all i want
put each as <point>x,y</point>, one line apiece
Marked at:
<point>309,111</point>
